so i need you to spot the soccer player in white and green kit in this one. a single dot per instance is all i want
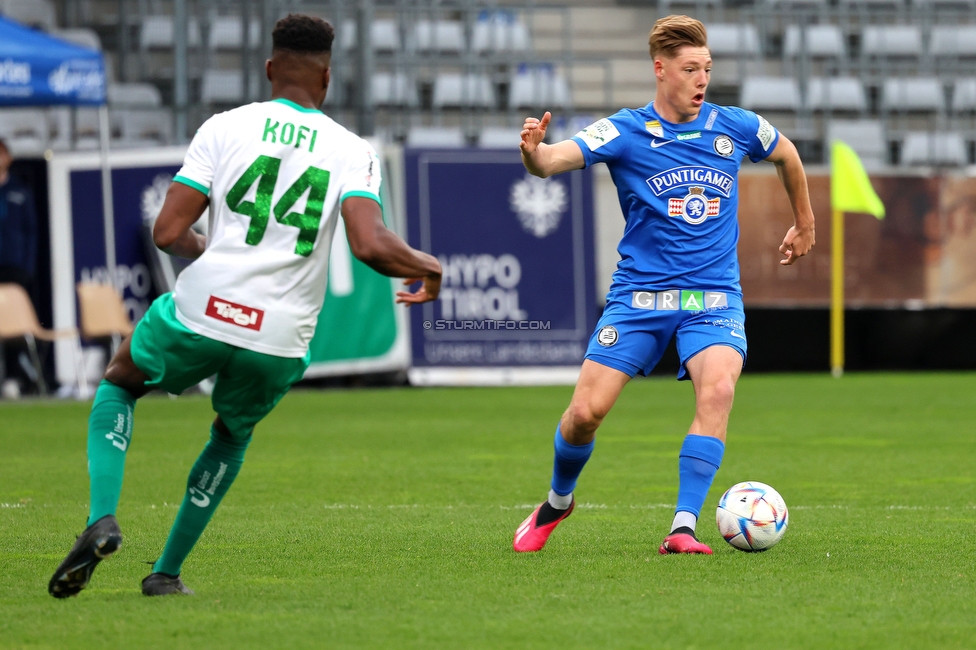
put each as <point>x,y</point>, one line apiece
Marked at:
<point>276,175</point>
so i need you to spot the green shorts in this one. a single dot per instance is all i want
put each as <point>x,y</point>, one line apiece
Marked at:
<point>248,385</point>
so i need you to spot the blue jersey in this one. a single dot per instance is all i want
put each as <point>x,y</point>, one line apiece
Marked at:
<point>678,189</point>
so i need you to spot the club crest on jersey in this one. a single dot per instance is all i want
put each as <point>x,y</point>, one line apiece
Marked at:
<point>230,312</point>
<point>654,128</point>
<point>695,207</point>
<point>724,146</point>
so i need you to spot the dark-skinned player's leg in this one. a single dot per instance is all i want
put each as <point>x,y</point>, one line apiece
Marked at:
<point>109,435</point>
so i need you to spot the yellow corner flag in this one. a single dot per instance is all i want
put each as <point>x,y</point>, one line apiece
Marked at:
<point>850,191</point>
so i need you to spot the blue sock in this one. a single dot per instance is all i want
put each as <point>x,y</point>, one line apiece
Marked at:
<point>698,461</point>
<point>568,463</point>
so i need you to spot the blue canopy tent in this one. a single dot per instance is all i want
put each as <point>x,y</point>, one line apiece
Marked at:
<point>37,69</point>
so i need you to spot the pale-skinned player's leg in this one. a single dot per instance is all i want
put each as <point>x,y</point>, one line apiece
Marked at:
<point>596,392</point>
<point>714,372</point>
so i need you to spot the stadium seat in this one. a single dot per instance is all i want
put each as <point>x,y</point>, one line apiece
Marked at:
<point>226,33</point>
<point>866,137</point>
<point>770,93</point>
<point>892,41</point>
<point>444,36</point>
<point>18,320</point>
<point>394,89</point>
<point>821,41</point>
<point>939,149</point>
<point>25,130</point>
<point>499,31</point>
<point>144,128</point>
<point>34,13</point>
<point>953,41</point>
<point>964,96</point>
<point>226,86</point>
<point>452,90</point>
<point>499,137</point>
<point>102,314</point>
<point>836,94</point>
<point>79,36</point>
<point>156,32</point>
<point>134,95</point>
<point>913,94</point>
<point>538,86</point>
<point>384,33</point>
<point>435,137</point>
<point>733,40</point>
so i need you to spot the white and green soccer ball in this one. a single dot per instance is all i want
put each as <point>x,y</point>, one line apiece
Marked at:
<point>752,516</point>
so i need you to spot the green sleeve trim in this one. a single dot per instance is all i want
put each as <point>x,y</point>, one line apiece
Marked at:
<point>365,195</point>
<point>191,183</point>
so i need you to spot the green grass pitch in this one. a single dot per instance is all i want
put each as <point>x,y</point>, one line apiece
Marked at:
<point>384,519</point>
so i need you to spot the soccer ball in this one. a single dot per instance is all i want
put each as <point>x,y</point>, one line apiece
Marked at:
<point>752,516</point>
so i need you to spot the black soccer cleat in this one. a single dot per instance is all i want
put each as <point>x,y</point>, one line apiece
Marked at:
<point>160,584</point>
<point>99,541</point>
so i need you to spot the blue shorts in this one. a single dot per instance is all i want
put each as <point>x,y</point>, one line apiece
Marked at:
<point>637,326</point>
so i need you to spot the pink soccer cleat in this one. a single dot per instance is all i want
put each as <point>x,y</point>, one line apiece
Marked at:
<point>531,536</point>
<point>683,542</point>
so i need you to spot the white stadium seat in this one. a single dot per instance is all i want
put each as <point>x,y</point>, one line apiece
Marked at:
<point>499,32</point>
<point>226,33</point>
<point>836,94</point>
<point>964,96</point>
<point>384,33</point>
<point>733,40</point>
<point>821,41</point>
<point>445,36</point>
<point>500,137</point>
<point>770,93</point>
<point>79,36</point>
<point>226,86</point>
<point>892,41</point>
<point>134,95</point>
<point>25,130</point>
<point>393,89</point>
<point>157,32</point>
<point>954,41</point>
<point>538,86</point>
<point>144,128</point>
<point>922,148</point>
<point>909,94</point>
<point>453,89</point>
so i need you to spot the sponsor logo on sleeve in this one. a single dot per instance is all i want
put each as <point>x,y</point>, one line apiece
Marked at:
<point>230,312</point>
<point>724,146</point>
<point>766,133</point>
<point>598,134</point>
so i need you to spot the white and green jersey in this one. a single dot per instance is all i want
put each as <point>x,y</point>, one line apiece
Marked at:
<point>276,174</point>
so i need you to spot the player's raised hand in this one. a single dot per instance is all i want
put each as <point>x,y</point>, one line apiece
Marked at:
<point>428,291</point>
<point>533,132</point>
<point>796,244</point>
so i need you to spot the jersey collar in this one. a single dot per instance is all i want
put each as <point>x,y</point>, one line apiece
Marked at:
<point>297,107</point>
<point>684,126</point>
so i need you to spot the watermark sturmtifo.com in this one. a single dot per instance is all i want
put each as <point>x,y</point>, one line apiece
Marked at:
<point>487,325</point>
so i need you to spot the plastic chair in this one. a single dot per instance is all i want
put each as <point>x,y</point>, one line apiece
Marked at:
<point>18,320</point>
<point>103,314</point>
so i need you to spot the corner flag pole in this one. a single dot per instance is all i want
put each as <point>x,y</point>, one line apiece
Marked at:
<point>837,294</point>
<point>850,191</point>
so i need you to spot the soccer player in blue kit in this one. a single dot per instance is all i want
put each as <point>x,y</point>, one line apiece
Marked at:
<point>675,164</point>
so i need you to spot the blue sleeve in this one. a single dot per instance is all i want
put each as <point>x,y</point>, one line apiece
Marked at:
<point>603,140</point>
<point>760,134</point>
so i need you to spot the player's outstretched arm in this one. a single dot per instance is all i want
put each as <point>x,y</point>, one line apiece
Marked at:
<point>801,237</point>
<point>379,248</point>
<point>543,160</point>
<point>181,209</point>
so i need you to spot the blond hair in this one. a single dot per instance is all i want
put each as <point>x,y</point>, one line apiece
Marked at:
<point>673,32</point>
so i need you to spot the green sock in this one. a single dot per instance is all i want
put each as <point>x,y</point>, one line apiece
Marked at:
<point>109,435</point>
<point>209,481</point>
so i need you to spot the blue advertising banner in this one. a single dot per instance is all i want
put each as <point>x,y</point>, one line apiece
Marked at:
<point>518,259</point>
